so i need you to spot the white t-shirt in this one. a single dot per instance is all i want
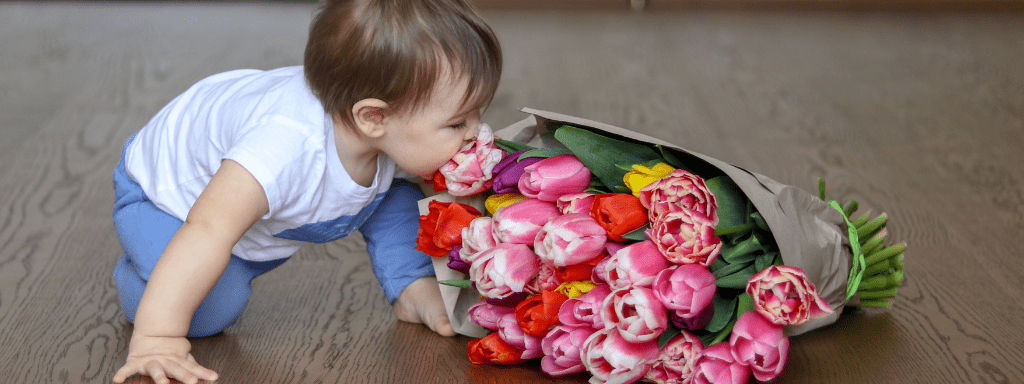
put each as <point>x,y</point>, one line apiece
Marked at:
<point>273,125</point>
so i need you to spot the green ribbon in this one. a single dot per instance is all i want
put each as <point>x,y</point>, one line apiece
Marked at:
<point>858,266</point>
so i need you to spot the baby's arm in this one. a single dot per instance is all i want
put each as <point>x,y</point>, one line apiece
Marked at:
<point>405,274</point>
<point>187,270</point>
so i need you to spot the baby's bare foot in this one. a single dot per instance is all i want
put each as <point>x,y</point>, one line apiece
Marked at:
<point>421,302</point>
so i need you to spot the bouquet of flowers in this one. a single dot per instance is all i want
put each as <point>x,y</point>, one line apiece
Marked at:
<point>595,248</point>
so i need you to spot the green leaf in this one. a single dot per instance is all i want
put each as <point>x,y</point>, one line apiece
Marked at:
<point>637,234</point>
<point>745,303</point>
<point>725,269</point>
<point>667,335</point>
<point>544,153</point>
<point>600,154</point>
<point>511,146</point>
<point>743,252</point>
<point>457,283</point>
<point>670,158</point>
<point>737,280</point>
<point>732,203</point>
<point>765,260</point>
<point>724,311</point>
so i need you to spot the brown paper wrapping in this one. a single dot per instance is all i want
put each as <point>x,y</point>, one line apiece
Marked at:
<point>810,233</point>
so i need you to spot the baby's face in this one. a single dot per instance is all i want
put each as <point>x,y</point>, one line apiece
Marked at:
<point>423,140</point>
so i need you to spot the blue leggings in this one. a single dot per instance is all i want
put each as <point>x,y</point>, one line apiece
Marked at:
<point>144,231</point>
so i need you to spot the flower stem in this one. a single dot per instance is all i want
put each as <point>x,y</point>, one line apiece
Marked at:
<point>869,245</point>
<point>893,264</point>
<point>861,220</point>
<point>883,294</point>
<point>883,254</point>
<point>871,226</point>
<point>876,303</point>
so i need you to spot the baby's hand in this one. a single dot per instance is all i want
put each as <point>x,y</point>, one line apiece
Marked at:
<point>421,302</point>
<point>162,358</point>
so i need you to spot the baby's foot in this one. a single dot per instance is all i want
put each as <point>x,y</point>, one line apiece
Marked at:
<point>421,302</point>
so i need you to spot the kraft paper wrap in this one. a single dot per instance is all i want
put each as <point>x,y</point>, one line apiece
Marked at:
<point>810,233</point>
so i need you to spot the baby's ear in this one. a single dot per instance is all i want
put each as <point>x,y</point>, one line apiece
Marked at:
<point>369,116</point>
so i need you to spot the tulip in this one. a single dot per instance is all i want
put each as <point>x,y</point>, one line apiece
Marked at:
<point>570,239</point>
<point>520,222</point>
<point>716,365</point>
<point>635,265</point>
<point>495,202</point>
<point>619,214</point>
<point>510,331</point>
<point>612,359</point>
<point>642,176</point>
<point>509,170</point>
<point>579,272</point>
<point>636,313</point>
<point>691,320</point>
<point>437,181</point>
<point>784,295</point>
<point>470,171</point>
<point>575,203</point>
<point>491,349</point>
<point>503,270</point>
<point>539,313</point>
<point>553,177</point>
<point>679,190</point>
<point>759,344</point>
<point>477,237</point>
<point>573,289</point>
<point>561,347</point>
<point>685,289</point>
<point>487,315</point>
<point>685,237</point>
<point>441,228</point>
<point>584,310</point>
<point>677,360</point>
<point>546,280</point>
<point>455,261</point>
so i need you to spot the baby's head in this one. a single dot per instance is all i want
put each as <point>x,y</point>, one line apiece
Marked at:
<point>401,52</point>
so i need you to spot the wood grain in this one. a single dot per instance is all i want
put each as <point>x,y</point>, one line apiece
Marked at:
<point>920,115</point>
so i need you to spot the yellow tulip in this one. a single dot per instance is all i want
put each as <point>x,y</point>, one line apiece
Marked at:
<point>575,288</point>
<point>642,176</point>
<point>496,202</point>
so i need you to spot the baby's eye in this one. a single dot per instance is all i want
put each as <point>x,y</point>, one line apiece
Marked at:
<point>459,125</point>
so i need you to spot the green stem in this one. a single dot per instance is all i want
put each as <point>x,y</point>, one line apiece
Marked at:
<point>876,303</point>
<point>868,295</point>
<point>849,207</point>
<point>871,226</point>
<point>883,254</point>
<point>881,282</point>
<point>893,264</point>
<point>861,220</point>
<point>869,245</point>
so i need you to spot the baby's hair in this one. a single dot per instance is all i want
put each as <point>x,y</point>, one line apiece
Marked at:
<point>396,50</point>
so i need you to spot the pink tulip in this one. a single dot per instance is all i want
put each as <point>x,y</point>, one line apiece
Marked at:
<point>686,238</point>
<point>679,190</point>
<point>520,222</point>
<point>509,170</point>
<point>784,295</point>
<point>477,237</point>
<point>487,315</point>
<point>553,177</point>
<point>510,331</point>
<point>575,203</point>
<point>600,270</point>
<point>570,239</point>
<point>686,289</point>
<point>716,365</point>
<point>504,270</point>
<point>561,347</point>
<point>546,280</point>
<point>678,358</point>
<point>585,310</point>
<point>760,344</point>
<point>612,359</point>
<point>636,313</point>
<point>635,265</point>
<point>469,171</point>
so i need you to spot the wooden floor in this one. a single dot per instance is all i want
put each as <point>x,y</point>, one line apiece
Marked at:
<point>920,115</point>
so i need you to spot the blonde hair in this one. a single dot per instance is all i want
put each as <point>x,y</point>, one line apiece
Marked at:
<point>396,51</point>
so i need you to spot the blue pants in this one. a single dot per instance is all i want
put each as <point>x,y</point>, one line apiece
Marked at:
<point>144,231</point>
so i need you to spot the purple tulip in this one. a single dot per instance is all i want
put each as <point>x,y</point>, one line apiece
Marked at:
<point>455,261</point>
<point>509,170</point>
<point>553,177</point>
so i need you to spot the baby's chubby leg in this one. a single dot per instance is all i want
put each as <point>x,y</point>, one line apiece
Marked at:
<point>421,302</point>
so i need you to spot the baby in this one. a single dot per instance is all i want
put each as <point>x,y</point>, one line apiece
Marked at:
<point>234,175</point>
